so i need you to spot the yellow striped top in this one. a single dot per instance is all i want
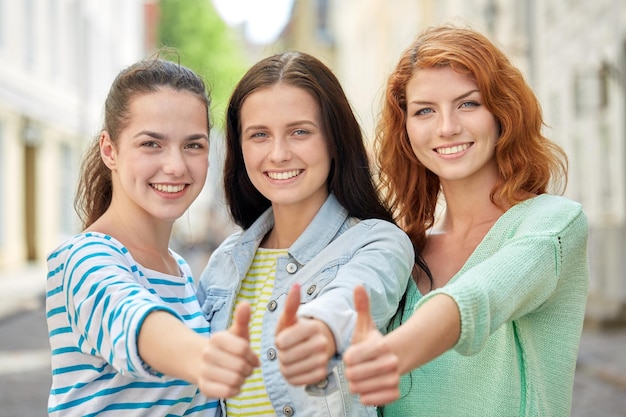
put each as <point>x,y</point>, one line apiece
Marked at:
<point>256,289</point>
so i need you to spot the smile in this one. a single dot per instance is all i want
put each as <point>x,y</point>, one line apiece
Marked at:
<point>168,188</point>
<point>453,149</point>
<point>284,175</point>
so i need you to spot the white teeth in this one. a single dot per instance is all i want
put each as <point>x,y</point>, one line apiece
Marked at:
<point>452,149</point>
<point>284,175</point>
<point>167,188</point>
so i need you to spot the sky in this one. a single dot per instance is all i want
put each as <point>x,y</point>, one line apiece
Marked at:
<point>262,20</point>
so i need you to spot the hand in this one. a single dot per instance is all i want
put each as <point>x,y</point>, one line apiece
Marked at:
<point>371,366</point>
<point>227,358</point>
<point>304,345</point>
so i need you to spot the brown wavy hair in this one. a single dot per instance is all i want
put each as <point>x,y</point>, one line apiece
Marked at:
<point>527,162</point>
<point>95,188</point>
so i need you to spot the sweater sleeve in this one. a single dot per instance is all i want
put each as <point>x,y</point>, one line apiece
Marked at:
<point>106,304</point>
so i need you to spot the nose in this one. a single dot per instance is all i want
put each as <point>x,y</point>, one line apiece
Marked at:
<point>449,124</point>
<point>174,163</point>
<point>280,151</point>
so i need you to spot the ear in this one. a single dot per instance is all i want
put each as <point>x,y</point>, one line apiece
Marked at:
<point>108,153</point>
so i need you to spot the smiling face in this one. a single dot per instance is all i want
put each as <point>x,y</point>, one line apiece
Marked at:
<point>450,129</point>
<point>284,148</point>
<point>159,163</point>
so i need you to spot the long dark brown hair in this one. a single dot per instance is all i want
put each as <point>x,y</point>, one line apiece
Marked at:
<point>350,178</point>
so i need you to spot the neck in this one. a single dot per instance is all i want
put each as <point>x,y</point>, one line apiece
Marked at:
<point>138,232</point>
<point>467,205</point>
<point>289,223</point>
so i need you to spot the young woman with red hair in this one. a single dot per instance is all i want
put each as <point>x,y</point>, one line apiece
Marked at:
<point>491,322</point>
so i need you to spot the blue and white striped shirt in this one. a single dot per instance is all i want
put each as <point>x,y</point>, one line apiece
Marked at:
<point>97,296</point>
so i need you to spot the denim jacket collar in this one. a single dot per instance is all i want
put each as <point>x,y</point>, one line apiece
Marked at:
<point>318,234</point>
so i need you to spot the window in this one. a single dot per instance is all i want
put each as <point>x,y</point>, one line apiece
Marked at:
<point>323,23</point>
<point>589,93</point>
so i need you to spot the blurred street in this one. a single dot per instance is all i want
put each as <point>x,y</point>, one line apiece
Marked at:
<point>599,390</point>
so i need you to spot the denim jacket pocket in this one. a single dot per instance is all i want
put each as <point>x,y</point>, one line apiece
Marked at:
<point>214,308</point>
<point>339,401</point>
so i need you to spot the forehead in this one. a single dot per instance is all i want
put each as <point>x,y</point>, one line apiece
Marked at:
<point>279,102</point>
<point>435,80</point>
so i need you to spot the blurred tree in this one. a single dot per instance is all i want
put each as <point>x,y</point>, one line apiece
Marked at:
<point>206,45</point>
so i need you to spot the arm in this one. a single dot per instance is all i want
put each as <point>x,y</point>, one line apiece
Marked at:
<point>218,365</point>
<point>495,288</point>
<point>111,310</point>
<point>380,259</point>
<point>437,327</point>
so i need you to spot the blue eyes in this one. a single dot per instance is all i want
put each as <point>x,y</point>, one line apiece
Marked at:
<point>463,105</point>
<point>297,132</point>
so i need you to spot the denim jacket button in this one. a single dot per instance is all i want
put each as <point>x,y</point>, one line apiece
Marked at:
<point>271,354</point>
<point>310,290</point>
<point>292,268</point>
<point>322,384</point>
<point>287,410</point>
<point>271,306</point>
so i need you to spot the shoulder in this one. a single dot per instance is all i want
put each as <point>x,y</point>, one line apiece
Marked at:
<point>376,224</point>
<point>377,230</point>
<point>548,214</point>
<point>89,242</point>
<point>86,253</point>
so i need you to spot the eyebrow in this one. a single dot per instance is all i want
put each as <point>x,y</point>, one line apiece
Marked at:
<point>156,135</point>
<point>461,97</point>
<point>291,124</point>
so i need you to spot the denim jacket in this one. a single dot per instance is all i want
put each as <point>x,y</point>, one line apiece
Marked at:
<point>333,255</point>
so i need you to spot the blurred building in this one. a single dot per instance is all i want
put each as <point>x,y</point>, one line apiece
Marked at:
<point>572,52</point>
<point>579,70</point>
<point>58,59</point>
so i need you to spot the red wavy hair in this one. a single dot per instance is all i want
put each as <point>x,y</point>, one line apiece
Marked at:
<point>527,161</point>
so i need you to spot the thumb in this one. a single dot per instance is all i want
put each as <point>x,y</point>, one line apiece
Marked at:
<point>288,318</point>
<point>241,320</point>
<point>364,321</point>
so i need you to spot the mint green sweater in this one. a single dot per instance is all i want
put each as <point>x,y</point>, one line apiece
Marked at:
<point>522,296</point>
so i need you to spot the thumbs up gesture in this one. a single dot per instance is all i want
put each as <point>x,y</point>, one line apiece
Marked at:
<point>371,366</point>
<point>304,345</point>
<point>227,359</point>
<point>241,321</point>
<point>364,323</point>
<point>288,318</point>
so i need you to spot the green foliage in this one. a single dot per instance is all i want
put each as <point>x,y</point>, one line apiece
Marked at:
<point>206,45</point>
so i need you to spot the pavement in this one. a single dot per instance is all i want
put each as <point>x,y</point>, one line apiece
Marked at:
<point>599,387</point>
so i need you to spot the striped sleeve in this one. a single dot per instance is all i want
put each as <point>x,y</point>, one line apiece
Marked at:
<point>106,304</point>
